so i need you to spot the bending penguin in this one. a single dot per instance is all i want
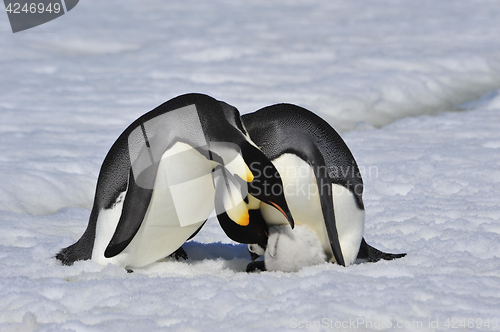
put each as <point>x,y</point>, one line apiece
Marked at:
<point>159,182</point>
<point>321,182</point>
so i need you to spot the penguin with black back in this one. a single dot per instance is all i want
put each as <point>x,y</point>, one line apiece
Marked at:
<point>321,181</point>
<point>160,181</point>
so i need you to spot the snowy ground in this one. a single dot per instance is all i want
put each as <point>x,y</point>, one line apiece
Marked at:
<point>373,70</point>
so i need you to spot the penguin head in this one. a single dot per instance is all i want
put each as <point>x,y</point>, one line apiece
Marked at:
<point>266,186</point>
<point>256,251</point>
<point>241,185</point>
<point>237,211</point>
<point>241,157</point>
<point>242,181</point>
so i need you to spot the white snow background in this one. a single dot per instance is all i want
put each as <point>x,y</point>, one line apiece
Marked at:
<point>389,75</point>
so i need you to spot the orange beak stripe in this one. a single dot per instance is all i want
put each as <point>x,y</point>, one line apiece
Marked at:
<point>279,209</point>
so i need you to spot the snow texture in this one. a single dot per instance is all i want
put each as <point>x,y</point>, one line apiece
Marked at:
<point>385,74</point>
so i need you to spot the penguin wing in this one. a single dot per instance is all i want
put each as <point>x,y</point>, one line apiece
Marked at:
<point>328,210</point>
<point>134,209</point>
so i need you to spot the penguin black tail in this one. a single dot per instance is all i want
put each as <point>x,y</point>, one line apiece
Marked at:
<point>369,254</point>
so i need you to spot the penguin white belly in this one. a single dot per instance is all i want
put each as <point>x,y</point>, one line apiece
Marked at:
<point>182,199</point>
<point>301,193</point>
<point>350,222</point>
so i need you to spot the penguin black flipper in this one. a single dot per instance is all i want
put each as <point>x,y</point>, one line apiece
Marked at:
<point>327,206</point>
<point>369,254</point>
<point>134,209</point>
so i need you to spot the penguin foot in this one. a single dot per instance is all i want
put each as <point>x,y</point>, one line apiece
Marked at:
<point>369,254</point>
<point>73,253</point>
<point>256,266</point>
<point>65,257</point>
<point>129,270</point>
<point>178,254</point>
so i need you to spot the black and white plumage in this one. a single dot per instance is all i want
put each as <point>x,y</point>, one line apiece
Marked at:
<point>321,180</point>
<point>161,180</point>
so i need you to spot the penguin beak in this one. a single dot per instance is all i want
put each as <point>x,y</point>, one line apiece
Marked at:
<point>281,207</point>
<point>266,185</point>
<point>287,215</point>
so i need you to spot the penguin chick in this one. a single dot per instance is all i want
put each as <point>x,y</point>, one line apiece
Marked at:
<point>256,251</point>
<point>290,250</point>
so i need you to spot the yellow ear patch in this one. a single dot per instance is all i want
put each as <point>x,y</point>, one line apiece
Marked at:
<point>244,220</point>
<point>249,175</point>
<point>239,214</point>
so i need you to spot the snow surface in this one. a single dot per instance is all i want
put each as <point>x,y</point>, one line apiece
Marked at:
<point>380,72</point>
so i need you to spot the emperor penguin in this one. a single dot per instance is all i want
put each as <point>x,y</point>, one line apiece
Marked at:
<point>321,183</point>
<point>159,182</point>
